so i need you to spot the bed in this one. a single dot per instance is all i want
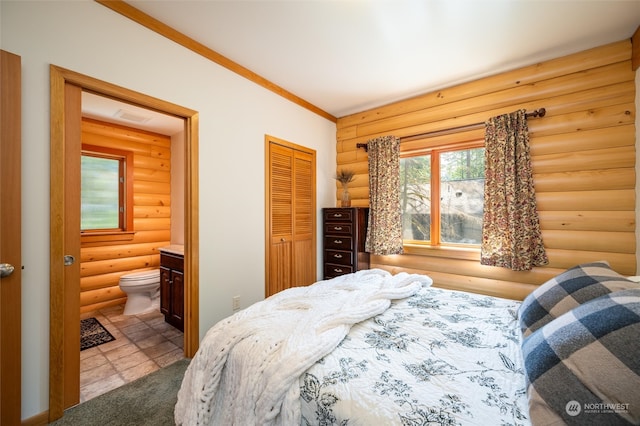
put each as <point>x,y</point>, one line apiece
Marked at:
<point>375,348</point>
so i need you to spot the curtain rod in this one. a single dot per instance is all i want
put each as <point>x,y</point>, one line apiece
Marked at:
<point>537,113</point>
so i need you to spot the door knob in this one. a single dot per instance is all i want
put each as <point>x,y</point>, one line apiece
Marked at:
<point>6,269</point>
<point>69,260</point>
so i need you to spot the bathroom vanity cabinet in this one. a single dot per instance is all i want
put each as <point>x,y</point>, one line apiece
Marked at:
<point>172,288</point>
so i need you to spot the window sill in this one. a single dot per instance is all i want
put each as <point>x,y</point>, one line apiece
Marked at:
<point>106,237</point>
<point>465,253</point>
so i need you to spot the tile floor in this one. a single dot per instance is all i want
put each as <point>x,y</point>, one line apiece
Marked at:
<point>144,343</point>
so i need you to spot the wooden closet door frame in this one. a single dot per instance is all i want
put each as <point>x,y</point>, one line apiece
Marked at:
<point>269,140</point>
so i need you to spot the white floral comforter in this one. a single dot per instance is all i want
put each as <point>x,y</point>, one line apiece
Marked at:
<point>247,367</point>
<point>439,357</point>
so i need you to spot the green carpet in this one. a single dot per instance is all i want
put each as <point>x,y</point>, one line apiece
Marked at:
<point>146,401</point>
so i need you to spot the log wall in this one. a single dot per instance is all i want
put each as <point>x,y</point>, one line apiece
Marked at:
<point>583,155</point>
<point>102,263</point>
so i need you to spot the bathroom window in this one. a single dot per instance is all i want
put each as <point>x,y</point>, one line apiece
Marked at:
<point>106,195</point>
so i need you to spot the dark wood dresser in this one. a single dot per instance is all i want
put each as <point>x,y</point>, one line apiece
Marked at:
<point>345,231</point>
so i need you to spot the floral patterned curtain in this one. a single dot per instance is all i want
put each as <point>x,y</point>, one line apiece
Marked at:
<point>384,235</point>
<point>511,236</point>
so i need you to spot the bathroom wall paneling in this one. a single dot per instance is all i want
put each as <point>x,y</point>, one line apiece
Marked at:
<point>583,158</point>
<point>102,262</point>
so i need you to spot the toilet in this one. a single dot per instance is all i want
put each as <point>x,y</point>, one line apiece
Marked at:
<point>143,291</point>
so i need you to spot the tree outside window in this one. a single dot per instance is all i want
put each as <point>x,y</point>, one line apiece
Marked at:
<point>456,179</point>
<point>106,190</point>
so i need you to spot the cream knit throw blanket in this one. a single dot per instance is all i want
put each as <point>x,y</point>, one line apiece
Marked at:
<point>247,368</point>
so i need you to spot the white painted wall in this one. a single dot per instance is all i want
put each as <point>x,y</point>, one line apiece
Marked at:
<point>235,114</point>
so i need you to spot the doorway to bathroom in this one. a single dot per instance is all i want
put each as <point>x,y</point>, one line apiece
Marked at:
<point>67,88</point>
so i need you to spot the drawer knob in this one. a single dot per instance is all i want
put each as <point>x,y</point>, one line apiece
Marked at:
<point>337,241</point>
<point>337,228</point>
<point>337,256</point>
<point>337,215</point>
<point>337,270</point>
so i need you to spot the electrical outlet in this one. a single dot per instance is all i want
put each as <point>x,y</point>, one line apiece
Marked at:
<point>235,303</point>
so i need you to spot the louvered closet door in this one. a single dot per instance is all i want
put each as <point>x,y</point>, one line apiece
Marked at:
<point>304,244</point>
<point>291,252</point>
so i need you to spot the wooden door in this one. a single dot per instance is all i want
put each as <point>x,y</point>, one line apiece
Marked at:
<point>177,299</point>
<point>71,235</point>
<point>304,219</point>
<point>165,291</point>
<point>291,216</point>
<point>64,337</point>
<point>10,239</point>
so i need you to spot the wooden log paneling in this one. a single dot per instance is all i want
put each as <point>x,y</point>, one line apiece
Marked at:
<point>102,264</point>
<point>93,254</point>
<point>151,175</point>
<point>607,137</point>
<point>583,158</point>
<point>615,200</point>
<point>592,58</point>
<point>124,265</point>
<point>569,84</point>
<point>122,133</point>
<point>95,306</point>
<point>95,282</point>
<point>151,211</point>
<point>597,159</point>
<point>103,295</point>
<point>152,199</point>
<point>613,221</point>
<point>148,162</point>
<point>585,180</point>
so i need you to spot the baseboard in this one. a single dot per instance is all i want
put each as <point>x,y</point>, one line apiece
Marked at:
<point>37,420</point>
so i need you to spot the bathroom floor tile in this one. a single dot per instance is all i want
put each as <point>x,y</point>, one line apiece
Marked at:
<point>150,341</point>
<point>170,357</point>
<point>140,370</point>
<point>97,374</point>
<point>160,349</point>
<point>144,343</point>
<point>98,388</point>
<point>131,360</point>
<point>87,364</point>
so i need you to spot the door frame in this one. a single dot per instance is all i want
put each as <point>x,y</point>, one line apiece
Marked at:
<point>11,240</point>
<point>59,78</point>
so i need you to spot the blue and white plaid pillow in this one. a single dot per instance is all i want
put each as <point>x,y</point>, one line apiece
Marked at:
<point>568,290</point>
<point>583,368</point>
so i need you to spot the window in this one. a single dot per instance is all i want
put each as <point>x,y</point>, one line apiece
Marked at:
<point>106,196</point>
<point>442,196</point>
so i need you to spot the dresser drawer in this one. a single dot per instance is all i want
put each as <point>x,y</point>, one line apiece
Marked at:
<point>338,215</point>
<point>339,257</point>
<point>331,270</point>
<point>338,242</point>
<point>338,228</point>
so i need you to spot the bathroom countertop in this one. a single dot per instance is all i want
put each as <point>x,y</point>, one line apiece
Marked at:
<point>173,249</point>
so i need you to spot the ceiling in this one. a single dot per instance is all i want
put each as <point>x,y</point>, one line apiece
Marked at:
<point>346,56</point>
<point>112,111</point>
